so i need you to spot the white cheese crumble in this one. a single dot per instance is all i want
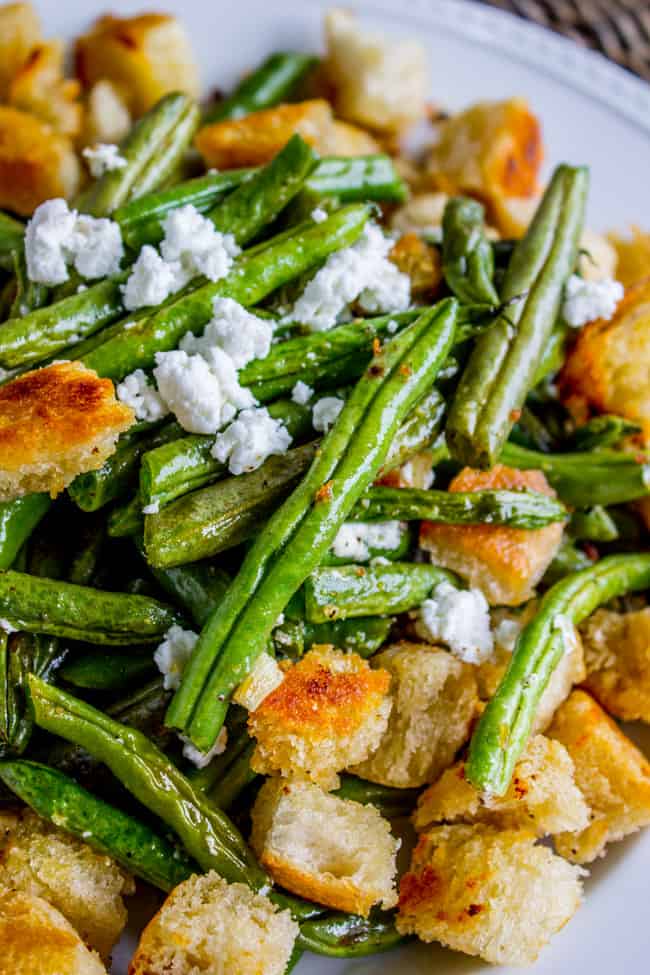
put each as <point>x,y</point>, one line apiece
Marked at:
<point>7,626</point>
<point>136,391</point>
<point>325,413</point>
<point>193,241</point>
<point>203,759</point>
<point>506,633</point>
<point>585,301</point>
<point>151,509</point>
<point>242,335</point>
<point>301,393</point>
<point>355,539</point>
<point>318,215</point>
<point>247,442</point>
<point>151,280</point>
<point>57,237</point>
<point>362,271</point>
<point>392,327</point>
<point>263,678</point>
<point>173,653</point>
<point>460,619</point>
<point>104,157</point>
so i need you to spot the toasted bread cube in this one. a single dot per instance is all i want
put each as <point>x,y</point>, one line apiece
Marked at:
<point>20,31</point>
<point>207,925</point>
<point>333,851</point>
<point>350,140</point>
<point>35,939</point>
<point>36,163</point>
<point>598,258</point>
<point>487,892</point>
<point>422,263</point>
<point>434,705</point>
<point>106,116</point>
<point>378,81</point>
<point>145,57</point>
<point>611,772</point>
<point>40,88</point>
<point>617,657</point>
<point>256,138</point>
<point>330,711</point>
<point>632,256</point>
<point>87,887</point>
<point>423,211</point>
<point>56,423</point>
<point>512,214</point>
<point>607,367</point>
<point>505,563</point>
<point>542,795</point>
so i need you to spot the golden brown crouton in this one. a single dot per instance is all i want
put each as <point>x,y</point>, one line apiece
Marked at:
<point>633,256</point>
<point>512,214</point>
<point>106,116</point>
<point>36,940</point>
<point>423,211</point>
<point>422,263</point>
<point>36,163</point>
<point>333,851</point>
<point>40,88</point>
<point>607,367</point>
<point>542,795</point>
<point>617,657</point>
<point>505,563</point>
<point>55,423</point>
<point>487,892</point>
<point>611,772</point>
<point>145,57</point>
<point>329,712</point>
<point>434,704</point>
<point>87,887</point>
<point>350,140</point>
<point>20,30</point>
<point>256,138</point>
<point>207,925</point>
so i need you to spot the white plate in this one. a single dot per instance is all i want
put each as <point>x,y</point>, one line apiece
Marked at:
<point>592,112</point>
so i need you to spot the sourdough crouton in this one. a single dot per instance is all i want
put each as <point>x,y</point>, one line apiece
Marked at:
<point>87,887</point>
<point>20,31</point>
<point>36,163</point>
<point>423,212</point>
<point>487,892</point>
<point>617,658</point>
<point>598,258</point>
<point>256,138</point>
<point>607,367</point>
<point>145,57</point>
<point>512,214</point>
<point>40,88</point>
<point>632,256</point>
<point>208,925</point>
<point>350,140</point>
<point>35,939</point>
<point>542,795</point>
<point>422,263</point>
<point>434,704</point>
<point>56,423</point>
<point>379,82</point>
<point>332,851</point>
<point>106,117</point>
<point>504,563</point>
<point>330,711</point>
<point>611,772</point>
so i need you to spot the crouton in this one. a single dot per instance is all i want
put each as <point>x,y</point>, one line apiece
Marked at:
<point>35,939</point>
<point>542,795</point>
<point>40,88</point>
<point>598,258</point>
<point>87,887</point>
<point>329,712</point>
<point>333,851</point>
<point>424,211</point>
<point>379,82</point>
<point>256,138</point>
<point>417,472</point>
<point>633,256</point>
<point>512,214</point>
<point>20,31</point>
<point>145,57</point>
<point>607,367</point>
<point>617,658</point>
<point>36,163</point>
<point>487,892</point>
<point>422,263</point>
<point>208,925</point>
<point>56,423</point>
<point>350,140</point>
<point>434,704</point>
<point>106,116</point>
<point>611,772</point>
<point>505,563</point>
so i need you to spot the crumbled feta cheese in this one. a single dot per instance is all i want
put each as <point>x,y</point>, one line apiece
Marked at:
<point>151,509</point>
<point>460,619</point>
<point>242,335</point>
<point>247,442</point>
<point>301,393</point>
<point>193,241</point>
<point>361,271</point>
<point>152,280</point>
<point>56,237</point>
<point>172,655</point>
<point>392,327</point>
<point>203,759</point>
<point>136,391</point>
<point>325,412</point>
<point>97,247</point>
<point>7,626</point>
<point>506,633</point>
<point>319,215</point>
<point>104,157</point>
<point>263,678</point>
<point>355,539</point>
<point>584,301</point>
<point>202,392</point>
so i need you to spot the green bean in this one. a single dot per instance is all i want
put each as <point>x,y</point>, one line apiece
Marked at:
<point>302,530</point>
<point>18,519</point>
<point>196,588</point>
<point>593,525</point>
<point>349,936</point>
<point>20,655</point>
<point>553,354</point>
<point>505,725</point>
<point>568,559</point>
<point>467,256</point>
<point>391,803</point>
<point>353,180</point>
<point>12,233</point>
<point>418,431</point>
<point>91,615</point>
<point>130,842</point>
<point>347,591</point>
<point>101,670</point>
<point>235,779</point>
<point>273,82</point>
<point>603,431</point>
<point>86,558</point>
<point>501,367</point>
<point>532,432</point>
<point>29,294</point>
<point>363,636</point>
